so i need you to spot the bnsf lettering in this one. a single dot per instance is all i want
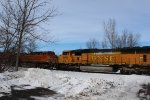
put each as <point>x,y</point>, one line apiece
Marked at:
<point>102,58</point>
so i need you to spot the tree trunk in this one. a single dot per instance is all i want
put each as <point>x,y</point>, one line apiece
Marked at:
<point>18,52</point>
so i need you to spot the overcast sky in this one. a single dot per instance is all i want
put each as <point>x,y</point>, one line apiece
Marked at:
<point>81,20</point>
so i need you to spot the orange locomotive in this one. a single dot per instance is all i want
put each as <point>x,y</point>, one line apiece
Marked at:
<point>130,60</point>
<point>39,59</point>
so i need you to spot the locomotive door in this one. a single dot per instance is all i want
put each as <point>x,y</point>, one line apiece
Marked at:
<point>144,58</point>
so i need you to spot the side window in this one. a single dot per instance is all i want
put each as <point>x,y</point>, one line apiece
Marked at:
<point>144,58</point>
<point>77,53</point>
<point>65,53</point>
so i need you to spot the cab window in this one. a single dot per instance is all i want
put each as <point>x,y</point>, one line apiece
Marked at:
<point>65,53</point>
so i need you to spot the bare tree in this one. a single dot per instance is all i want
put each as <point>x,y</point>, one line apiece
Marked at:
<point>133,40</point>
<point>128,39</point>
<point>7,40</point>
<point>113,40</point>
<point>92,44</point>
<point>26,16</point>
<point>104,43</point>
<point>118,41</point>
<point>30,46</point>
<point>110,32</point>
<point>124,38</point>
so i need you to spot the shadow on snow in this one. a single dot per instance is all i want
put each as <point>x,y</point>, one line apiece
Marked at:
<point>27,94</point>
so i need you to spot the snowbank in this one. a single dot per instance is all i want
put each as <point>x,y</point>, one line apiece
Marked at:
<point>76,85</point>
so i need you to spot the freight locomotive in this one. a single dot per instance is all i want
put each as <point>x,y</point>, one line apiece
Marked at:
<point>127,60</point>
<point>46,59</point>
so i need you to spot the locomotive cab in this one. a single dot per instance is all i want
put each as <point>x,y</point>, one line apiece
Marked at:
<point>70,57</point>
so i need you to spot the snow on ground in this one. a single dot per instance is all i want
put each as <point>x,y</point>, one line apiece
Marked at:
<point>76,85</point>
